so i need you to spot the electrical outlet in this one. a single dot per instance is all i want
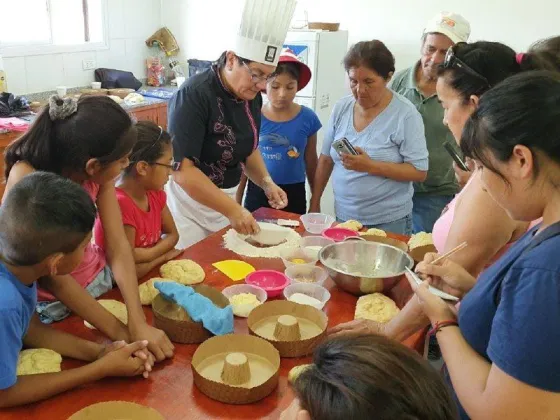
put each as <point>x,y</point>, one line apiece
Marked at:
<point>88,64</point>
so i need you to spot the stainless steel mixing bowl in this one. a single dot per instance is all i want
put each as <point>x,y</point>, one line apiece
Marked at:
<point>368,258</point>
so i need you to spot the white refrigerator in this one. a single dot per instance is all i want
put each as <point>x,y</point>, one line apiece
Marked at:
<point>323,52</point>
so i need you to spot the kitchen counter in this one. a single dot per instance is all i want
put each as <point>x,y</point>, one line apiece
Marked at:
<point>152,109</point>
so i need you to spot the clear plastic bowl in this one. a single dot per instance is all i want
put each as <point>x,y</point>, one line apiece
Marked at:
<point>306,256</point>
<point>313,290</point>
<point>316,275</point>
<point>315,243</point>
<point>237,289</point>
<point>273,282</point>
<point>316,223</point>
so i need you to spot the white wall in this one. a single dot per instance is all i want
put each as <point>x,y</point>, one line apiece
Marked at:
<point>204,27</point>
<point>131,22</point>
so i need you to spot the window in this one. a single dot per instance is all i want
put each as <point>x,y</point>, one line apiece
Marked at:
<point>48,26</point>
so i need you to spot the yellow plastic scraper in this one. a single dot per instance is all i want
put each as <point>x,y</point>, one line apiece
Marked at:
<point>234,269</point>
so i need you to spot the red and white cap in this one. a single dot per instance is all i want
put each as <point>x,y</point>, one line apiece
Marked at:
<point>288,56</point>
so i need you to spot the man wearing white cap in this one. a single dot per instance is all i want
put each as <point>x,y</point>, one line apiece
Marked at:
<point>418,84</point>
<point>214,120</point>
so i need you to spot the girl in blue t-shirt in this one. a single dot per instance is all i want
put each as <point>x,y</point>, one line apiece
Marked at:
<point>288,138</point>
<point>501,352</point>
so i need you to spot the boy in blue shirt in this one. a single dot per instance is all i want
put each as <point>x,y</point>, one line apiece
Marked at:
<point>45,224</point>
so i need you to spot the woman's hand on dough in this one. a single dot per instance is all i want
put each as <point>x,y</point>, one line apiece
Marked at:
<point>121,361</point>
<point>244,222</point>
<point>277,198</point>
<point>358,326</point>
<point>447,275</point>
<point>158,342</point>
<point>359,163</point>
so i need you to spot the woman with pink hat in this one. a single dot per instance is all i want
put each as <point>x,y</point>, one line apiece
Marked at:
<point>288,137</point>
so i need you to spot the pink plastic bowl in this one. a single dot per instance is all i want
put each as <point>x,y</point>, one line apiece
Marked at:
<point>339,234</point>
<point>273,282</point>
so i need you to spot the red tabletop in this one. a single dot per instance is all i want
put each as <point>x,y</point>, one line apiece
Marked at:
<point>170,388</point>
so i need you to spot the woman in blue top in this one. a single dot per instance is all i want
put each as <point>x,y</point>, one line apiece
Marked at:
<point>503,357</point>
<point>374,187</point>
<point>288,138</point>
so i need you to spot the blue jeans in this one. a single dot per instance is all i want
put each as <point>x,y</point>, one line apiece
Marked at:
<point>426,210</point>
<point>402,226</point>
<point>55,311</point>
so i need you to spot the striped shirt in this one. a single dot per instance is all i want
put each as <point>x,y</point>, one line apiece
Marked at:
<point>396,135</point>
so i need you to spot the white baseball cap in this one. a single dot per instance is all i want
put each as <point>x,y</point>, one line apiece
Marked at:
<point>452,25</point>
<point>263,29</point>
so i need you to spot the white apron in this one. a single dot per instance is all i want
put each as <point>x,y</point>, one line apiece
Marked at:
<point>194,221</point>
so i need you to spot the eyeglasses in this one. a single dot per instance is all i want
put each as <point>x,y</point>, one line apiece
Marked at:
<point>451,61</point>
<point>175,166</point>
<point>254,78</point>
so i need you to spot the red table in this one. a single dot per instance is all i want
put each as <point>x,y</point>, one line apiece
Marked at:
<point>170,388</point>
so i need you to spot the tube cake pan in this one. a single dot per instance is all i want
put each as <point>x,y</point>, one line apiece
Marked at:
<point>295,330</point>
<point>116,410</point>
<point>177,324</point>
<point>236,369</point>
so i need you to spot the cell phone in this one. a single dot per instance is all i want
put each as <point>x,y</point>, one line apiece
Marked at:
<point>456,158</point>
<point>343,146</point>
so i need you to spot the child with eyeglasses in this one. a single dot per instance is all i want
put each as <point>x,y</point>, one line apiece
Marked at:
<point>148,223</point>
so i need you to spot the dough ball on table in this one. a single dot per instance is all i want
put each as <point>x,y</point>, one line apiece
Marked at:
<point>115,307</point>
<point>352,225</point>
<point>296,371</point>
<point>420,239</point>
<point>374,232</point>
<point>148,292</point>
<point>183,271</point>
<point>376,307</point>
<point>33,361</point>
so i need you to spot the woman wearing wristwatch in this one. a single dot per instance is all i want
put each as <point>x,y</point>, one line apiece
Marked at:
<point>214,119</point>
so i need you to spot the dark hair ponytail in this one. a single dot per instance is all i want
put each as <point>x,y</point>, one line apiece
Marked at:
<point>99,128</point>
<point>496,62</point>
<point>542,55</point>
<point>524,110</point>
<point>492,60</point>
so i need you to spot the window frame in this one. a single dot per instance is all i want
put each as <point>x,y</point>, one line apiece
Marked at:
<point>33,48</point>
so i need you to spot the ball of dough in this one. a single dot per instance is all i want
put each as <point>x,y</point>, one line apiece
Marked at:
<point>420,239</point>
<point>296,371</point>
<point>376,307</point>
<point>148,292</point>
<point>352,225</point>
<point>115,307</point>
<point>33,361</point>
<point>183,271</point>
<point>374,232</point>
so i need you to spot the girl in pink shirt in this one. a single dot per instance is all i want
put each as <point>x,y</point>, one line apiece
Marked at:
<point>148,223</point>
<point>89,142</point>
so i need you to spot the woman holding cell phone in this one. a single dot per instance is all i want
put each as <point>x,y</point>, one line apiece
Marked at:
<point>374,146</point>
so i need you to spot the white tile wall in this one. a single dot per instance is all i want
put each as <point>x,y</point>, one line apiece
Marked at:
<point>130,23</point>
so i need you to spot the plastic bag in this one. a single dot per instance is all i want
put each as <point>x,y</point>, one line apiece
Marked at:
<point>156,72</point>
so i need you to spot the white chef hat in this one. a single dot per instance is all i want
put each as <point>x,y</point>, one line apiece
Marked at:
<point>263,29</point>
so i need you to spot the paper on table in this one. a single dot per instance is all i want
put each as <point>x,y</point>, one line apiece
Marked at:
<point>236,270</point>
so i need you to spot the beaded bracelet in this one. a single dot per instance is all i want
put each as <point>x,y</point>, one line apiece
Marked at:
<point>442,324</point>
